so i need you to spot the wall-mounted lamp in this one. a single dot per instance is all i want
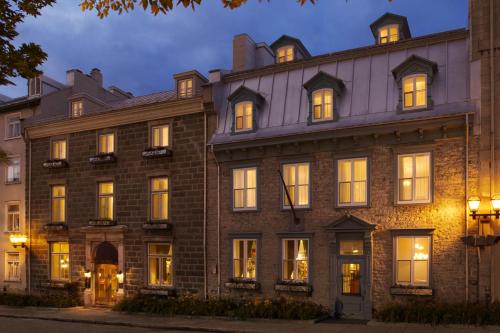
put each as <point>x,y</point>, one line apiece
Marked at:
<point>18,240</point>
<point>474,203</point>
<point>119,277</point>
<point>88,275</point>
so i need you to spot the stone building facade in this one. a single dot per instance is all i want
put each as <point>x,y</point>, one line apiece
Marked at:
<point>117,197</point>
<point>373,147</point>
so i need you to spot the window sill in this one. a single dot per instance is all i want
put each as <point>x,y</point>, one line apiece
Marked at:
<point>56,226</point>
<point>412,203</point>
<point>13,182</point>
<point>157,152</point>
<point>163,291</point>
<point>245,210</point>
<point>295,287</point>
<point>102,159</point>
<point>12,281</point>
<point>352,206</point>
<point>55,164</point>
<point>411,291</point>
<point>160,225</point>
<point>102,223</point>
<point>243,284</point>
<point>13,138</point>
<point>55,284</point>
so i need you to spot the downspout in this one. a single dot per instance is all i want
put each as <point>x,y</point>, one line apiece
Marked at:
<point>466,208</point>
<point>205,261</point>
<point>492,102</point>
<point>218,227</point>
<point>28,250</point>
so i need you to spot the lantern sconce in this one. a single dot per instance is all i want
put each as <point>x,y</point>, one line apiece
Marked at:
<point>474,203</point>
<point>119,277</point>
<point>18,240</point>
<point>88,275</point>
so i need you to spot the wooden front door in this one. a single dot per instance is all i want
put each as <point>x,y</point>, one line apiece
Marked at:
<point>106,284</point>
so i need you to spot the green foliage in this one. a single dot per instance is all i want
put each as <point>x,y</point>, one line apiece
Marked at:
<point>435,313</point>
<point>4,158</point>
<point>24,59</point>
<point>278,308</point>
<point>65,298</point>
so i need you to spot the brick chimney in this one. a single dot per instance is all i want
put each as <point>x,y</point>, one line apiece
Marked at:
<point>244,50</point>
<point>96,74</point>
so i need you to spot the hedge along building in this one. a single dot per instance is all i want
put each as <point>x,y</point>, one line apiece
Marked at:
<point>341,178</point>
<point>117,192</point>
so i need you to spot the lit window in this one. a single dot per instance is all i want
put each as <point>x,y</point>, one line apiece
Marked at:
<point>59,261</point>
<point>296,259</point>
<point>107,143</point>
<point>296,177</point>
<point>160,136</point>
<point>186,88</point>
<point>388,34</point>
<point>58,204</point>
<point>106,199</point>
<point>14,170</point>
<point>322,105</point>
<point>245,259</point>
<point>285,54</point>
<point>415,92</point>
<point>159,199</point>
<point>13,215</point>
<point>59,149</point>
<point>352,182</point>
<point>351,247</point>
<point>13,127</point>
<point>243,118</point>
<point>160,264</point>
<point>351,277</point>
<point>245,188</point>
<point>412,260</point>
<point>13,269</point>
<point>35,86</point>
<point>414,176</point>
<point>76,109</point>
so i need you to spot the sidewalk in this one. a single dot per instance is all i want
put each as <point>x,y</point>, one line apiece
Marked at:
<point>105,316</point>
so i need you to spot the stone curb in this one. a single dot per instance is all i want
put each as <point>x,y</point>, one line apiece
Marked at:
<point>129,324</point>
<point>375,323</point>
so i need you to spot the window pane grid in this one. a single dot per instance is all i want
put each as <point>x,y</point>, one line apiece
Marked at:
<point>13,217</point>
<point>414,178</point>
<point>59,150</point>
<point>160,264</point>
<point>352,181</point>
<point>243,116</point>
<point>295,260</point>
<point>296,177</point>
<point>412,260</point>
<point>13,269</point>
<point>322,105</point>
<point>245,188</point>
<point>59,261</point>
<point>58,204</point>
<point>415,91</point>
<point>106,199</point>
<point>160,136</point>
<point>14,170</point>
<point>245,259</point>
<point>159,199</point>
<point>106,143</point>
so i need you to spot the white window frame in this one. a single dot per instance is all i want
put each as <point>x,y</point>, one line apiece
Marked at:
<point>184,90</point>
<point>60,151</point>
<point>285,58</point>
<point>352,182</point>
<point>8,227</point>
<point>105,196</point>
<point>245,258</point>
<point>105,151</point>
<point>160,266</point>
<point>413,179</point>
<point>295,253</point>
<point>58,198</point>
<point>16,117</point>
<point>77,108</point>
<point>245,189</point>
<point>59,255</point>
<point>11,166</point>
<point>35,86</point>
<point>8,264</point>
<point>387,28</point>
<point>244,123</point>
<point>160,135</point>
<point>296,186</point>
<point>412,261</point>
<point>161,192</point>
<point>322,105</point>
<point>413,77</point>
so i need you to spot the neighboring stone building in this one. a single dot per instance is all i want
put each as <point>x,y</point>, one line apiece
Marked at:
<point>13,226</point>
<point>372,144</point>
<point>117,197</point>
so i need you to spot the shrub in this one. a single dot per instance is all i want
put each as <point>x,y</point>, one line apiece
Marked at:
<point>278,308</point>
<point>435,313</point>
<point>68,297</point>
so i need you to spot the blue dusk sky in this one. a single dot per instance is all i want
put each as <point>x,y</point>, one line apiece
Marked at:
<point>140,52</point>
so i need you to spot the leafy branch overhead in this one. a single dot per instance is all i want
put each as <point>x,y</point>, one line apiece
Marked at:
<point>103,7</point>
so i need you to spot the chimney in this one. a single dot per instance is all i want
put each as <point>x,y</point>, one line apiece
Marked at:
<point>71,76</point>
<point>243,53</point>
<point>97,76</point>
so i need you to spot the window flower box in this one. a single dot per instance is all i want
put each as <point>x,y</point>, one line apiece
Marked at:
<point>102,158</point>
<point>293,286</point>
<point>243,284</point>
<point>481,241</point>
<point>411,290</point>
<point>156,152</point>
<point>101,223</point>
<point>160,225</point>
<point>54,285</point>
<point>56,226</point>
<point>55,164</point>
<point>162,291</point>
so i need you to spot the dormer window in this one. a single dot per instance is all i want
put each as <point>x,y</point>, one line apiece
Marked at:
<point>243,116</point>
<point>285,54</point>
<point>76,109</point>
<point>35,86</point>
<point>415,91</point>
<point>185,88</point>
<point>388,34</point>
<point>322,105</point>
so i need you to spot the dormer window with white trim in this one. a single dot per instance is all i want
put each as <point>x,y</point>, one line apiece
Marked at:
<point>285,54</point>
<point>76,109</point>
<point>35,86</point>
<point>415,92</point>
<point>243,114</point>
<point>185,88</point>
<point>388,34</point>
<point>322,100</point>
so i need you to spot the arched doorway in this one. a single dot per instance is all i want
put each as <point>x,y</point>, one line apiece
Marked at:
<point>106,269</point>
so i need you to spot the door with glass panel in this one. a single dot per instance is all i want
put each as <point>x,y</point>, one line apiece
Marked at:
<point>351,277</point>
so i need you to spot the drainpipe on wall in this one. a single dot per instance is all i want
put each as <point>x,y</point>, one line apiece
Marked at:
<point>218,223</point>
<point>492,101</point>
<point>205,278</point>
<point>28,250</point>
<point>466,210</point>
